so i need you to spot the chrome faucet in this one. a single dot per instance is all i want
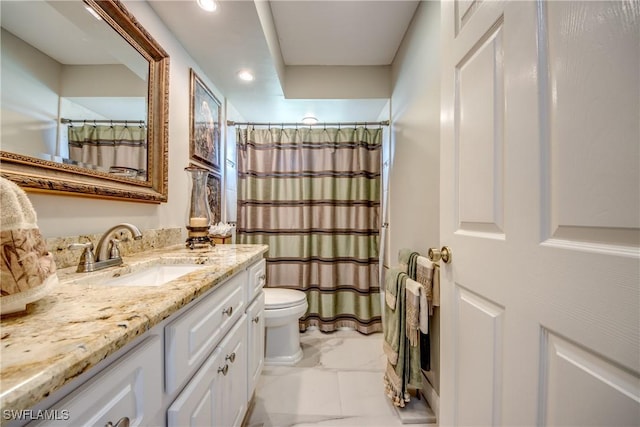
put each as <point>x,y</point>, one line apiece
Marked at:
<point>109,237</point>
<point>107,252</point>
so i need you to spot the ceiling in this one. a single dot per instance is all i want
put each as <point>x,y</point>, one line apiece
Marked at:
<point>329,58</point>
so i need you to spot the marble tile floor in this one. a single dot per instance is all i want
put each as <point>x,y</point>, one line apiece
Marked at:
<point>339,382</point>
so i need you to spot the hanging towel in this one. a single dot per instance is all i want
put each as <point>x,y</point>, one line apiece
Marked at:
<point>394,346</point>
<point>425,352</point>
<point>414,310</point>
<point>407,260</point>
<point>436,286</point>
<point>403,256</point>
<point>403,360</point>
<point>393,321</point>
<point>424,276</point>
<point>417,330</point>
<point>391,285</point>
<point>418,295</point>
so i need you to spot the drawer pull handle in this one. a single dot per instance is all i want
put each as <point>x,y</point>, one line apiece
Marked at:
<point>228,311</point>
<point>224,370</point>
<point>231,357</point>
<point>263,276</point>
<point>122,422</point>
<point>256,319</point>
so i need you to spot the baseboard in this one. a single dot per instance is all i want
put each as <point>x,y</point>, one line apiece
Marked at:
<point>431,396</point>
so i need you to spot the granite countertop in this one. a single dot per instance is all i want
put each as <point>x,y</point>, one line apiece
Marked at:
<point>80,323</point>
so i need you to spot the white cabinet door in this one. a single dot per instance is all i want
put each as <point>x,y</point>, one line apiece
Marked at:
<point>540,199</point>
<point>201,402</point>
<point>131,387</point>
<point>216,395</point>
<point>255,341</point>
<point>234,349</point>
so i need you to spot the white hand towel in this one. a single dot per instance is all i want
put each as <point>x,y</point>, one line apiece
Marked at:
<point>424,276</point>
<point>417,308</point>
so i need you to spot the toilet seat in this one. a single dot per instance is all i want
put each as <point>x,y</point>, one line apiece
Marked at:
<point>278,298</point>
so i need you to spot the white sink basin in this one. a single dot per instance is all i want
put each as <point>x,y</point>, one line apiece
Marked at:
<point>155,275</point>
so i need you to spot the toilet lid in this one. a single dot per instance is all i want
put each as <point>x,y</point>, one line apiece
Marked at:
<point>282,298</point>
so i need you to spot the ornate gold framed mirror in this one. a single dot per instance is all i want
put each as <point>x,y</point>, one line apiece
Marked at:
<point>37,147</point>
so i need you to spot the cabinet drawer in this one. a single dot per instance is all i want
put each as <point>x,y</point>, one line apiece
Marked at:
<point>130,387</point>
<point>191,337</point>
<point>257,279</point>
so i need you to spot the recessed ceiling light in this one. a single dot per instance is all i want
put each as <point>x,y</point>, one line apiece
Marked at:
<point>245,75</point>
<point>309,120</point>
<point>208,5</point>
<point>93,12</point>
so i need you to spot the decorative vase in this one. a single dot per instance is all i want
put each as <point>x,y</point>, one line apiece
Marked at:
<point>199,219</point>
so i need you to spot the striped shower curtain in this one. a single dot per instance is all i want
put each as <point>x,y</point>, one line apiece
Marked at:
<point>110,146</point>
<point>313,196</point>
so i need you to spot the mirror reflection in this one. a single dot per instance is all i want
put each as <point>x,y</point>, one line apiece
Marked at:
<point>73,90</point>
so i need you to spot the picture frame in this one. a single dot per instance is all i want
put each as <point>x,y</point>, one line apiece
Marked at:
<point>214,196</point>
<point>205,118</point>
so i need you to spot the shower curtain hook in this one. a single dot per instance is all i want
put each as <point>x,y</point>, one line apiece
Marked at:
<point>111,124</point>
<point>94,123</point>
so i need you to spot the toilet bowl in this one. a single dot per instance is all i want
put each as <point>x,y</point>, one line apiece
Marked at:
<point>282,309</point>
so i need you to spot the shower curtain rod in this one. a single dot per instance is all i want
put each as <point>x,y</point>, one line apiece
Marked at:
<point>383,123</point>
<point>126,122</point>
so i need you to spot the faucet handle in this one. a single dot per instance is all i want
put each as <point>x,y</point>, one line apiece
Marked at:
<point>115,249</point>
<point>87,259</point>
<point>86,245</point>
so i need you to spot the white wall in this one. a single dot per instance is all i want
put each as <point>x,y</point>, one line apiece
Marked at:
<point>415,140</point>
<point>66,216</point>
<point>415,112</point>
<point>30,87</point>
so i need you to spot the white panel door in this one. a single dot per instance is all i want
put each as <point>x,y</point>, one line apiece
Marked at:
<point>540,205</point>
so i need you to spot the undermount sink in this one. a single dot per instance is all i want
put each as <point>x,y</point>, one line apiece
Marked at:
<point>155,275</point>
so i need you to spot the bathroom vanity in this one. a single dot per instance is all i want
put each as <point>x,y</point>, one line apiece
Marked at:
<point>106,351</point>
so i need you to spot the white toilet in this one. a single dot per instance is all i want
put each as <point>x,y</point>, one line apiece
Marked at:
<point>282,309</point>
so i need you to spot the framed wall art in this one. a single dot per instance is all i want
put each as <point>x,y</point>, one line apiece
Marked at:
<point>205,119</point>
<point>214,197</point>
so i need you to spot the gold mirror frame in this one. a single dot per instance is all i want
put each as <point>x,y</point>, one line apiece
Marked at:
<point>36,175</point>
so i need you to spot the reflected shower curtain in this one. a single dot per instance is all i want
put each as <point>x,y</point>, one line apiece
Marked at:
<point>313,196</point>
<point>115,146</point>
